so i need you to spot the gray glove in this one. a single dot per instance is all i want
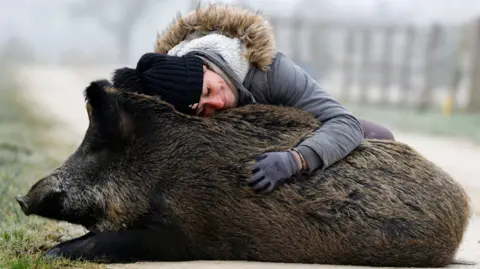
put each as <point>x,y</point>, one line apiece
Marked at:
<point>272,169</point>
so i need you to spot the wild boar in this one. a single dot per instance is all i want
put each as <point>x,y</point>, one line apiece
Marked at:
<point>150,183</point>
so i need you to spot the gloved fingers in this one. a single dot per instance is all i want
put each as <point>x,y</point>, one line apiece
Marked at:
<point>257,176</point>
<point>261,157</point>
<point>261,185</point>
<point>255,169</point>
<point>268,173</point>
<point>269,187</point>
<point>254,165</point>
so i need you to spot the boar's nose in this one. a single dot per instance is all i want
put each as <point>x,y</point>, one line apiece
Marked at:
<point>23,201</point>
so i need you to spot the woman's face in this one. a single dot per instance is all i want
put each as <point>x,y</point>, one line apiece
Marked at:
<point>216,94</point>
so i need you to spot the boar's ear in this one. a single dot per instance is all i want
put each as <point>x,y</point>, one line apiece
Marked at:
<point>105,112</point>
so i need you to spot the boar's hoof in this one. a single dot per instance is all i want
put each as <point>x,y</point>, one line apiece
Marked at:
<point>22,200</point>
<point>74,249</point>
<point>53,253</point>
<point>62,252</point>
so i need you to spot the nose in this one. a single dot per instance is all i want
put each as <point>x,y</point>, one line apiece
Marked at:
<point>23,202</point>
<point>215,102</point>
<point>212,104</point>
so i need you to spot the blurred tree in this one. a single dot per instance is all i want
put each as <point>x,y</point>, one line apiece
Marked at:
<point>319,61</point>
<point>117,17</point>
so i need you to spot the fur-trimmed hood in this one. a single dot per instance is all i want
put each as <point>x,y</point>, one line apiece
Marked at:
<point>250,27</point>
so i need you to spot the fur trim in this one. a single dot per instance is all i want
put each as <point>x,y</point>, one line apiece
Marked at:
<point>250,27</point>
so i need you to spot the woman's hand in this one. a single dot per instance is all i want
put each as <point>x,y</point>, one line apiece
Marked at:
<point>273,168</point>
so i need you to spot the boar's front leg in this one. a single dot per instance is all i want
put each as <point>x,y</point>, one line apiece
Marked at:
<point>125,246</point>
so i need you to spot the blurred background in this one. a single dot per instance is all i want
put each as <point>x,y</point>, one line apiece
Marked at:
<point>411,65</point>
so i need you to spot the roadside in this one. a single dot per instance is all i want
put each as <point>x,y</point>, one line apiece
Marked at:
<point>26,155</point>
<point>58,93</point>
<point>432,122</point>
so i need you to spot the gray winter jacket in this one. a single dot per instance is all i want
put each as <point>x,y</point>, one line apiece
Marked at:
<point>286,84</point>
<point>268,77</point>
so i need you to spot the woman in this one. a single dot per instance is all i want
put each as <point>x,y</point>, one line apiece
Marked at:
<point>219,57</point>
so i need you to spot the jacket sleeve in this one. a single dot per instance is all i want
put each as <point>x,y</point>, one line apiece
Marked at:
<point>340,133</point>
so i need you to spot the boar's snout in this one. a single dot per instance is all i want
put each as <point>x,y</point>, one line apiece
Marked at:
<point>23,202</point>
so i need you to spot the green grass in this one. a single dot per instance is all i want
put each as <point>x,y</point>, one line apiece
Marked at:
<point>431,122</point>
<point>26,155</point>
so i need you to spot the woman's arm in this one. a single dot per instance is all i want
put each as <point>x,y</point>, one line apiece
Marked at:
<point>340,133</point>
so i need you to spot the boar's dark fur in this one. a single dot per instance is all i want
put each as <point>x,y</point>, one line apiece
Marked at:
<point>154,184</point>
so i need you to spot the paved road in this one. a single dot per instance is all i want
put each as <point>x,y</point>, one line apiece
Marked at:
<point>58,93</point>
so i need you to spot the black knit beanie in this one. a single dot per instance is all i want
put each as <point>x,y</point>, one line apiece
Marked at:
<point>177,80</point>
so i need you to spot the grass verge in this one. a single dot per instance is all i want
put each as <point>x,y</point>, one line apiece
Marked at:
<point>26,155</point>
<point>431,122</point>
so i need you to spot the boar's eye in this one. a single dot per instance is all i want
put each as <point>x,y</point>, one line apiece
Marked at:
<point>97,152</point>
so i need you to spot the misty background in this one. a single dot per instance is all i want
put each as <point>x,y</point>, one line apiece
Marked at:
<point>419,55</point>
<point>86,31</point>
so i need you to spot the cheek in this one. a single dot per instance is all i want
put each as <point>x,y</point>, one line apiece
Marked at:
<point>217,86</point>
<point>229,93</point>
